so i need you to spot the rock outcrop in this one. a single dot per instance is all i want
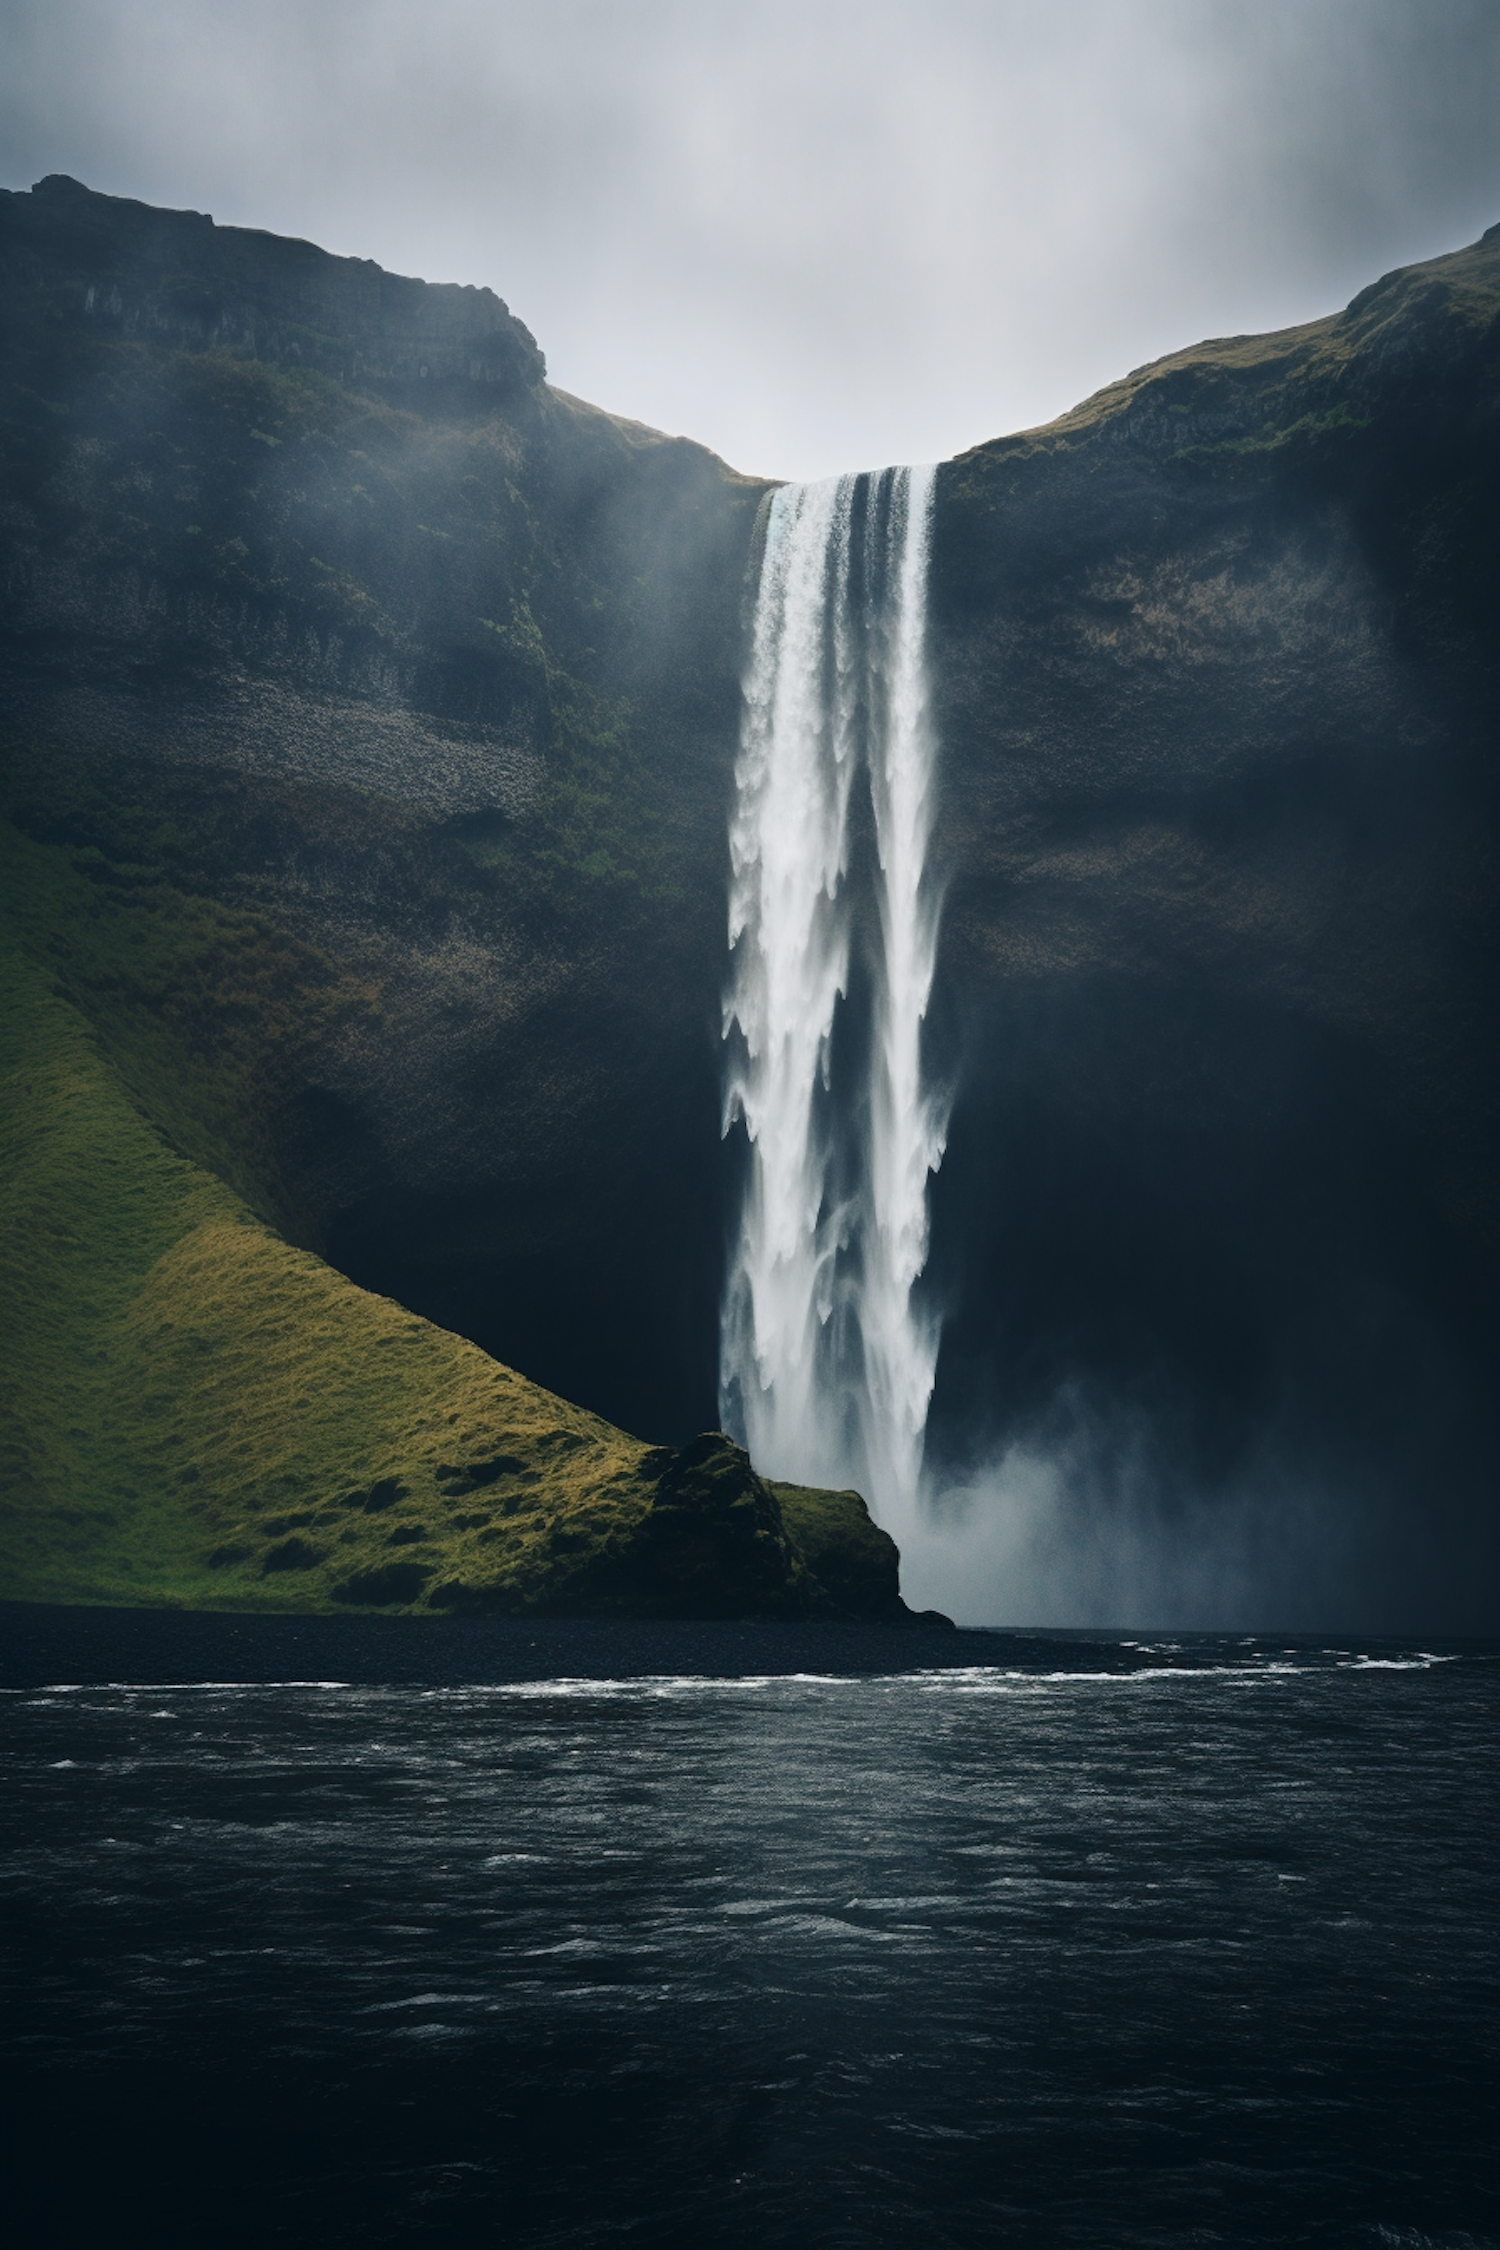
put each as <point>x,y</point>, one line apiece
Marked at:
<point>173,278</point>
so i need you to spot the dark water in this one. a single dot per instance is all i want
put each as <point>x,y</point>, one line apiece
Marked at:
<point>1129,1945</point>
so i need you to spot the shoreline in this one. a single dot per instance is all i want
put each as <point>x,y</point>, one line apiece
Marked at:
<point>46,1644</point>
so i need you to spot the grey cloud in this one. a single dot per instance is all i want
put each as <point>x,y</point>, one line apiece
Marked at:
<point>809,232</point>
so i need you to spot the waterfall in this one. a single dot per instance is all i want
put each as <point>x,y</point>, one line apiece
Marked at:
<point>826,1355</point>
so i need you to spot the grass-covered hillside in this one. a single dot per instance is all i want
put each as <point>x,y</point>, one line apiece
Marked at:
<point>199,1413</point>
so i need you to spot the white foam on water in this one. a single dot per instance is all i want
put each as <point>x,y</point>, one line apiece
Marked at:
<point>176,1687</point>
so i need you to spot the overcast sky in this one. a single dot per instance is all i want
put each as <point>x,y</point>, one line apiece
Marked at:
<point>815,234</point>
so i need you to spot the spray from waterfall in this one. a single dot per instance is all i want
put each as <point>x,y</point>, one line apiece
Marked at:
<point>827,1354</point>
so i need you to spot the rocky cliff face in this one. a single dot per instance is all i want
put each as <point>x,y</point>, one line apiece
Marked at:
<point>440,672</point>
<point>174,279</point>
<point>430,682</point>
<point>1219,678</point>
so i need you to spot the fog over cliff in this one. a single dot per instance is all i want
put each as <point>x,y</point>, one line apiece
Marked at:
<point>812,235</point>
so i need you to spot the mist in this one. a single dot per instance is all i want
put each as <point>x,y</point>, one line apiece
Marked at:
<point>815,236</point>
<point>1094,1517</point>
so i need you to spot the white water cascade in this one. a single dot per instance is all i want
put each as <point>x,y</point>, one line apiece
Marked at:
<point>826,1354</point>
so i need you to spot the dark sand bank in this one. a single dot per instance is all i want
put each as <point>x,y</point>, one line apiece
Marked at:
<point>46,1644</point>
<point>42,1644</point>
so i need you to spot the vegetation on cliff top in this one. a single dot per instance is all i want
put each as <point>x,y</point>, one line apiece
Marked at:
<point>1292,392</point>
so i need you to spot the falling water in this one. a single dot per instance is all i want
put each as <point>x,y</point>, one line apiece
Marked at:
<point>827,1356</point>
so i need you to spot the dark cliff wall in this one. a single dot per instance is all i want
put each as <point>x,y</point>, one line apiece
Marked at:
<point>1219,660</point>
<point>174,278</point>
<point>319,602</point>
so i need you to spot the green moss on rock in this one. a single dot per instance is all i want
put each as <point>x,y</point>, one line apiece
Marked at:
<point>1235,402</point>
<point>855,1562</point>
<point>206,1012</point>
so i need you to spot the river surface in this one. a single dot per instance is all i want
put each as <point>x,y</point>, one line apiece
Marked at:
<point>1131,1944</point>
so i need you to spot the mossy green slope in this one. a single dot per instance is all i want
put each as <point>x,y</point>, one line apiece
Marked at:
<point>205,1010</point>
<point>852,1559</point>
<point>199,1413</point>
<point>202,1414</point>
<point>1240,399</point>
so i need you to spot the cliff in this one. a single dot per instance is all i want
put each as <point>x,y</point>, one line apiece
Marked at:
<point>174,279</point>
<point>443,682</point>
<point>324,622</point>
<point>1219,709</point>
<point>376,729</point>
